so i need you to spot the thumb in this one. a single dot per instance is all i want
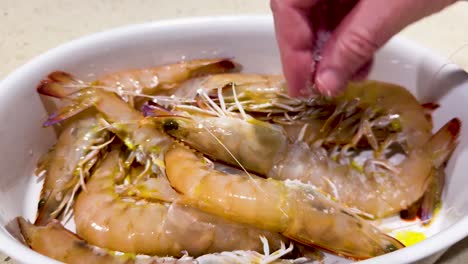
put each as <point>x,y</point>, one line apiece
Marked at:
<point>369,25</point>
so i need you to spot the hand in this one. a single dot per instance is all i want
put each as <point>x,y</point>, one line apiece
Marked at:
<point>326,43</point>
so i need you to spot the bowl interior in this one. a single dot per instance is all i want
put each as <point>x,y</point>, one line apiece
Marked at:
<point>251,42</point>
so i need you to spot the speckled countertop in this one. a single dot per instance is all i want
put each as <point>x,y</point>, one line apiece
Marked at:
<point>28,28</point>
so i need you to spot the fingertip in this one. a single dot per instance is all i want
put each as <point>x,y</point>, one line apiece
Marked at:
<point>294,92</point>
<point>301,90</point>
<point>330,81</point>
<point>298,69</point>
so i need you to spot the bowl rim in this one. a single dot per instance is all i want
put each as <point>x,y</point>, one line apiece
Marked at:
<point>439,242</point>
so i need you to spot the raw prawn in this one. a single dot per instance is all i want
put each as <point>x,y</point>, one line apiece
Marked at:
<point>56,242</point>
<point>146,81</point>
<point>126,122</point>
<point>370,110</point>
<point>137,132</point>
<point>150,81</point>
<point>398,105</point>
<point>382,113</point>
<point>264,148</point>
<point>75,152</point>
<point>292,209</point>
<point>384,188</point>
<point>68,164</point>
<point>105,219</point>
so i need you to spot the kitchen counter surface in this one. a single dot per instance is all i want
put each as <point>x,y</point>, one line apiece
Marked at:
<point>28,28</point>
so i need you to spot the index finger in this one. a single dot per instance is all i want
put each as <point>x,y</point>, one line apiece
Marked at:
<point>295,37</point>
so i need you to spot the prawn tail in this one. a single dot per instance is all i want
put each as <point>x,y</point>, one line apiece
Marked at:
<point>55,241</point>
<point>440,147</point>
<point>221,65</point>
<point>432,199</point>
<point>59,84</point>
<point>429,109</point>
<point>28,230</point>
<point>64,86</point>
<point>69,111</point>
<point>31,232</point>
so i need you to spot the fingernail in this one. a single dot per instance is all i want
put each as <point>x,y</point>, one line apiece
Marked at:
<point>329,81</point>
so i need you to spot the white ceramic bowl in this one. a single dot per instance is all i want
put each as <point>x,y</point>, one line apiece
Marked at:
<point>248,39</point>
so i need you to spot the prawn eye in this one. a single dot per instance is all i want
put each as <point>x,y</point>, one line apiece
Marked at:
<point>170,125</point>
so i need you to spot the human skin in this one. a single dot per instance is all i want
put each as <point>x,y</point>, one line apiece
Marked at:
<point>325,43</point>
